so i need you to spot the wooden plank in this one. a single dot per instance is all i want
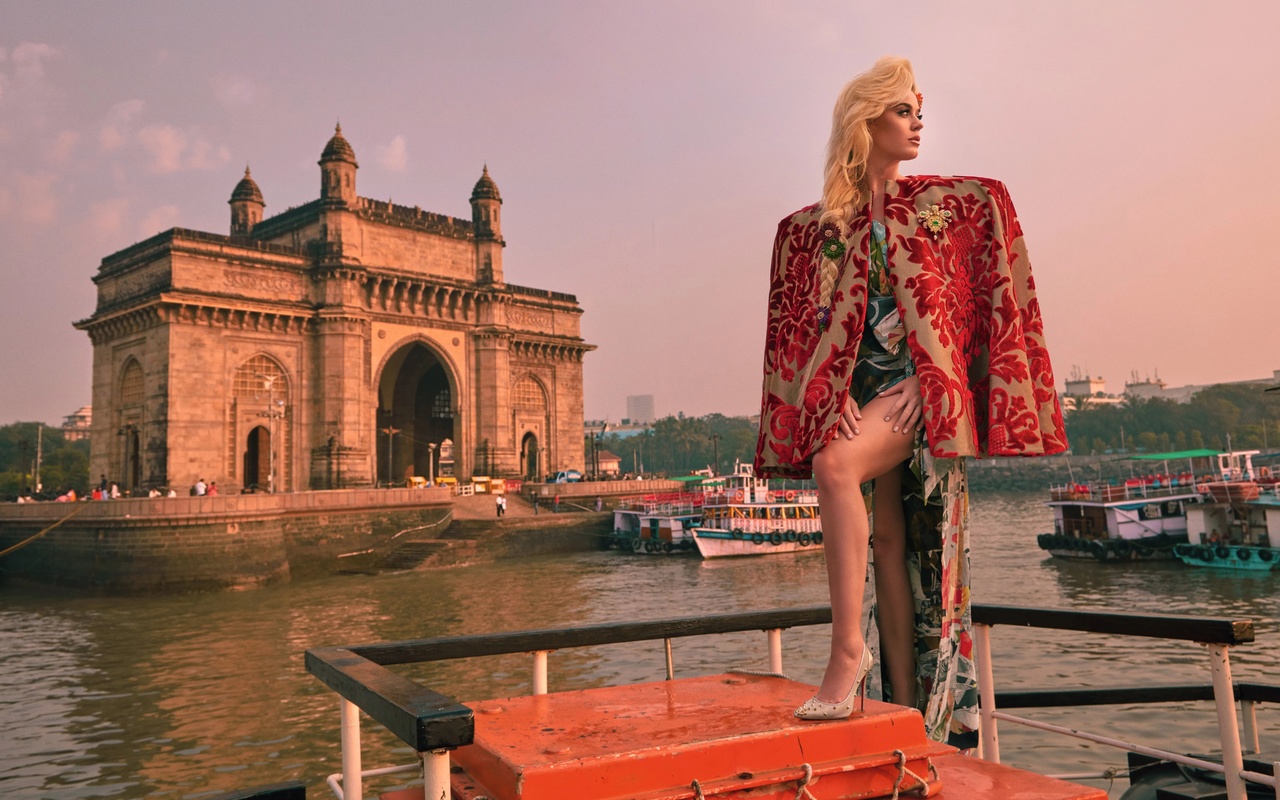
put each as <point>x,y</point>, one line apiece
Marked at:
<point>423,719</point>
<point>1206,630</point>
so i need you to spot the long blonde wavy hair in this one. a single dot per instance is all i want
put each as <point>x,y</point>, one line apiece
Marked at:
<point>862,99</point>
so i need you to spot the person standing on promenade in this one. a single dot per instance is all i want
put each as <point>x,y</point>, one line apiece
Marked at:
<point>903,335</point>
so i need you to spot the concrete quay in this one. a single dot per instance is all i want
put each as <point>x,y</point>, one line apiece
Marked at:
<point>230,542</point>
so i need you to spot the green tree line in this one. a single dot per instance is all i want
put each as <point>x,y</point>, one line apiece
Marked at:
<point>679,445</point>
<point>63,465</point>
<point>1250,416</point>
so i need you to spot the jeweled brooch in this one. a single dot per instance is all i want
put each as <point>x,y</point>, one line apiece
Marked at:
<point>935,219</point>
<point>824,318</point>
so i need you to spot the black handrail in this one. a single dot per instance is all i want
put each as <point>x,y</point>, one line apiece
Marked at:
<point>1205,630</point>
<point>427,720</point>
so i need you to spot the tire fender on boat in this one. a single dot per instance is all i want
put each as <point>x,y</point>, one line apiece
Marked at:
<point>666,547</point>
<point>790,535</point>
<point>775,538</point>
<point>757,538</point>
<point>1265,555</point>
<point>1222,552</point>
<point>1122,548</point>
<point>1244,553</point>
<point>636,545</point>
<point>817,538</point>
<point>737,533</point>
<point>1099,549</point>
<point>805,539</point>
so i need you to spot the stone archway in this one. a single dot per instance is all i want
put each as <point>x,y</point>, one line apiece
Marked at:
<point>257,459</point>
<point>417,408</point>
<point>529,466</point>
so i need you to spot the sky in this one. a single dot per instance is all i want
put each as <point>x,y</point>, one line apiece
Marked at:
<point>645,152</point>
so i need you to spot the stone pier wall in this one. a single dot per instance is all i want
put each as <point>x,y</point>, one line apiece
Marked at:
<point>209,543</point>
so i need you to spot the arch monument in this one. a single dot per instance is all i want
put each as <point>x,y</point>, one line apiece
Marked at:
<point>340,343</point>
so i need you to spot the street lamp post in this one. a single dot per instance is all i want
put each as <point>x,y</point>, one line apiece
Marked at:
<point>390,431</point>
<point>431,463</point>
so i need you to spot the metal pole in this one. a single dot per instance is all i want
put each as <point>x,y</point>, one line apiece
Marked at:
<point>39,454</point>
<point>271,435</point>
<point>1250,715</point>
<point>671,666</point>
<point>775,649</point>
<point>1228,731</point>
<point>540,672</point>
<point>988,738</point>
<point>435,775</point>
<point>352,788</point>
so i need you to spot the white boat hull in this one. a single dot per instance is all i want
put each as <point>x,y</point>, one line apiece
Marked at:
<point>714,543</point>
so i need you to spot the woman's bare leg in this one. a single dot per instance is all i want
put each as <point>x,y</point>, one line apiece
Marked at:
<point>895,603</point>
<point>840,468</point>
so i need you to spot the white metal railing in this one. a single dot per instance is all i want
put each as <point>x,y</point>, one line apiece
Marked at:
<point>1232,766</point>
<point>435,766</point>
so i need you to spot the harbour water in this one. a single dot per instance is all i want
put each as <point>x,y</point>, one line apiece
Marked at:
<point>178,697</point>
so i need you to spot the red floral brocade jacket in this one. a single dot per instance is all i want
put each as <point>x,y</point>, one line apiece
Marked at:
<point>973,326</point>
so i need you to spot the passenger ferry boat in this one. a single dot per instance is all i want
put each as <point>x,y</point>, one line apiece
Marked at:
<point>1140,519</point>
<point>1238,527</point>
<point>743,517</point>
<point>657,523</point>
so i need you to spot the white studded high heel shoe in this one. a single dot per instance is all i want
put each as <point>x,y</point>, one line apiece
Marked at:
<point>814,708</point>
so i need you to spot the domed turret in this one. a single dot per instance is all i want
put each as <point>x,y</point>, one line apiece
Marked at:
<point>338,170</point>
<point>485,188</point>
<point>246,205</point>
<point>338,148</point>
<point>486,220</point>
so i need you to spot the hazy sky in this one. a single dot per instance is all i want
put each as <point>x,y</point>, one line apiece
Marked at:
<point>645,152</point>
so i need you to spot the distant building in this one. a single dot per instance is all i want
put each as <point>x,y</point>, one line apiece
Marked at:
<point>610,464</point>
<point>77,426</point>
<point>331,345</point>
<point>1083,391</point>
<point>640,408</point>
<point>1149,388</point>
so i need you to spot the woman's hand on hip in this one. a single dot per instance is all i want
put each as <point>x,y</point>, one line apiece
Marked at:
<point>907,414</point>
<point>849,418</point>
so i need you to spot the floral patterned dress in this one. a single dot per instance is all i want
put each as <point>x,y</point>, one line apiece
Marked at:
<point>951,252</point>
<point>946,687</point>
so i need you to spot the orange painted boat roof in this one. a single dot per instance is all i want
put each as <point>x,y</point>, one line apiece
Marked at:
<point>734,734</point>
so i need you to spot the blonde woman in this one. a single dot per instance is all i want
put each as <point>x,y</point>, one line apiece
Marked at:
<point>903,335</point>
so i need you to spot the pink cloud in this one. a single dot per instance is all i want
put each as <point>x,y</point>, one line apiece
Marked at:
<point>393,156</point>
<point>116,129</point>
<point>173,150</point>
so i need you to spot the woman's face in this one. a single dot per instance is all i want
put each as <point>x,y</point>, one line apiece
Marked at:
<point>895,134</point>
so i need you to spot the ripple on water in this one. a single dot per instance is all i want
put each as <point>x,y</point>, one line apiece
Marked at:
<point>172,697</point>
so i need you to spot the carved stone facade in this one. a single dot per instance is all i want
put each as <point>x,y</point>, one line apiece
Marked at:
<point>333,345</point>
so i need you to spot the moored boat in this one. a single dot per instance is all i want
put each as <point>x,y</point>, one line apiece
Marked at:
<point>744,517</point>
<point>657,523</point>
<point>1140,518</point>
<point>1237,529</point>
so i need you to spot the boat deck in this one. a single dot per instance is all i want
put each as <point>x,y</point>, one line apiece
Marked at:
<point>733,734</point>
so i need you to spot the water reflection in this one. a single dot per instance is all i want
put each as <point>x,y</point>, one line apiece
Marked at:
<point>172,697</point>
